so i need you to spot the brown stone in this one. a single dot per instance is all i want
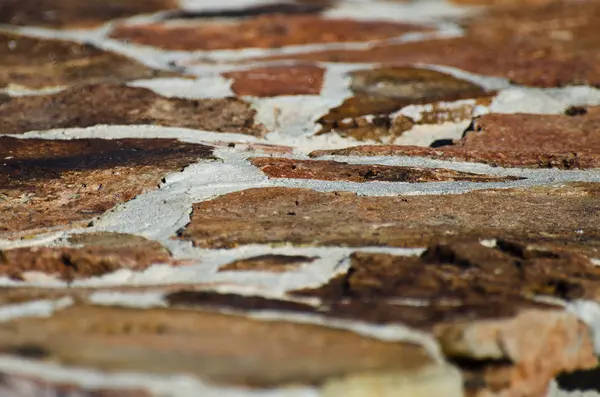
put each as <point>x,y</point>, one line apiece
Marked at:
<point>38,63</point>
<point>269,81</point>
<point>60,184</point>
<point>512,140</point>
<point>268,263</point>
<point>216,301</point>
<point>297,8</point>
<point>122,105</point>
<point>216,347</point>
<point>97,256</point>
<point>76,14</point>
<point>264,31</point>
<point>567,214</point>
<point>337,171</point>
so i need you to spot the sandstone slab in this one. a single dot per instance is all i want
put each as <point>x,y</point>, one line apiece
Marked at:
<point>264,31</point>
<point>269,81</point>
<point>338,171</point>
<point>564,214</point>
<point>47,184</point>
<point>39,63</point>
<point>89,105</point>
<point>76,14</point>
<point>268,263</point>
<point>513,140</point>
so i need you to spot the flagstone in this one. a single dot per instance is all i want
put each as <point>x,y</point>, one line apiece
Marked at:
<point>36,63</point>
<point>54,184</point>
<point>275,167</point>
<point>89,105</point>
<point>268,263</point>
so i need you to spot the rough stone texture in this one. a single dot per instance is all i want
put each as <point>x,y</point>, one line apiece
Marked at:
<point>219,348</point>
<point>564,214</point>
<point>60,184</point>
<point>74,13</point>
<point>98,255</point>
<point>338,171</point>
<point>296,8</point>
<point>512,140</point>
<point>264,31</point>
<point>300,79</point>
<point>268,263</point>
<point>122,105</point>
<point>37,63</point>
<point>214,300</point>
<point>383,91</point>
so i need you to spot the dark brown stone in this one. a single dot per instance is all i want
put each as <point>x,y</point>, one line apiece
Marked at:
<point>60,184</point>
<point>567,215</point>
<point>76,14</point>
<point>219,348</point>
<point>337,171</point>
<point>297,8</point>
<point>215,300</point>
<point>122,105</point>
<point>99,255</point>
<point>37,63</point>
<point>264,31</point>
<point>512,140</point>
<point>268,263</point>
<point>301,79</point>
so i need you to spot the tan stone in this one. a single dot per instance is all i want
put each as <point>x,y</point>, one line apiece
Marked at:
<point>268,263</point>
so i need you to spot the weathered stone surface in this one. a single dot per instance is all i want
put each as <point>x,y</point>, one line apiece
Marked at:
<point>337,171</point>
<point>512,140</point>
<point>296,8</point>
<point>215,301</point>
<point>37,63</point>
<point>380,92</point>
<point>98,255</point>
<point>268,263</point>
<point>566,214</point>
<point>264,31</point>
<point>73,13</point>
<point>60,184</point>
<point>216,347</point>
<point>122,105</point>
<point>268,81</point>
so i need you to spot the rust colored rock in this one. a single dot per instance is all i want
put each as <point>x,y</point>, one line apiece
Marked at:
<point>264,31</point>
<point>218,348</point>
<point>337,171</point>
<point>268,263</point>
<point>269,81</point>
<point>100,255</point>
<point>86,106</point>
<point>38,63</point>
<point>47,184</point>
<point>512,140</point>
<point>568,214</point>
<point>76,14</point>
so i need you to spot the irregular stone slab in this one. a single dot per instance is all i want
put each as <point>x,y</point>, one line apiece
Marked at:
<point>216,347</point>
<point>269,81</point>
<point>86,106</point>
<point>337,171</point>
<point>61,184</point>
<point>264,31</point>
<point>39,63</point>
<point>98,255</point>
<point>568,214</point>
<point>76,14</point>
<point>268,263</point>
<point>512,140</point>
<point>381,92</point>
<point>215,301</point>
<point>253,10</point>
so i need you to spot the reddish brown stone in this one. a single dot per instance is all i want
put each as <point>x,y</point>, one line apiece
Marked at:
<point>567,215</point>
<point>268,263</point>
<point>336,171</point>
<point>512,140</point>
<point>301,79</point>
<point>265,31</point>
<point>122,105</point>
<point>60,184</point>
<point>38,63</point>
<point>215,301</point>
<point>76,14</point>
<point>216,347</point>
<point>103,254</point>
